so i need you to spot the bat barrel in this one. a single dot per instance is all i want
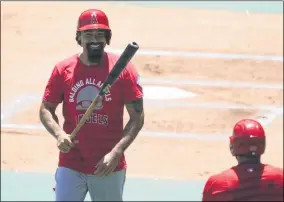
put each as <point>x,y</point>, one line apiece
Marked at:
<point>119,66</point>
<point>130,50</point>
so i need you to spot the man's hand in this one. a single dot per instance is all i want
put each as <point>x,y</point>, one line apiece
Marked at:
<point>108,163</point>
<point>64,142</point>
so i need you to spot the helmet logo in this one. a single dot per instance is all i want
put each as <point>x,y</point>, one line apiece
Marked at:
<point>94,19</point>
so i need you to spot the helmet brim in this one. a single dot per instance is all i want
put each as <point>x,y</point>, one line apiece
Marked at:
<point>93,26</point>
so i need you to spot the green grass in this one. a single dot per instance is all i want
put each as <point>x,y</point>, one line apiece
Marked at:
<point>38,187</point>
<point>275,7</point>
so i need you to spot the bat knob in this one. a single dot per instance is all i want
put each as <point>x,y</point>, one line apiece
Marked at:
<point>134,45</point>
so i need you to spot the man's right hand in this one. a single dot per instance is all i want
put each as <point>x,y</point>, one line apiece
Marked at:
<point>64,142</point>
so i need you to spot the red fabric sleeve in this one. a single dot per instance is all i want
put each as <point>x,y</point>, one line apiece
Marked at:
<point>54,89</point>
<point>215,189</point>
<point>131,87</point>
<point>207,191</point>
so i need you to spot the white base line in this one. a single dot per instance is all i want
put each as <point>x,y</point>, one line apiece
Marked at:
<point>202,55</point>
<point>17,105</point>
<point>205,137</point>
<point>24,101</point>
<point>222,84</point>
<point>208,105</point>
<point>208,83</point>
<point>268,118</point>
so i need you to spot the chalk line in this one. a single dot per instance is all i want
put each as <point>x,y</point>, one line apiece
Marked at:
<point>157,103</point>
<point>19,104</point>
<point>268,118</point>
<point>212,83</point>
<point>157,92</point>
<point>205,137</point>
<point>203,54</point>
<point>209,105</point>
<point>22,126</point>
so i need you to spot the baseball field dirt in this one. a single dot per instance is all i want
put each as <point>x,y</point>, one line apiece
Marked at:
<point>36,35</point>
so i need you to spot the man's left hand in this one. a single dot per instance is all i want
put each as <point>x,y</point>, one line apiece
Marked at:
<point>108,164</point>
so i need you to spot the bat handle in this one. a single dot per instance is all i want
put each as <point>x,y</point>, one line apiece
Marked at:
<point>74,132</point>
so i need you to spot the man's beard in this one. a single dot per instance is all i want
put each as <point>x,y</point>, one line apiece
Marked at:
<point>95,51</point>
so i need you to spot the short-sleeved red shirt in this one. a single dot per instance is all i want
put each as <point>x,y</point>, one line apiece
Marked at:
<point>247,182</point>
<point>75,85</point>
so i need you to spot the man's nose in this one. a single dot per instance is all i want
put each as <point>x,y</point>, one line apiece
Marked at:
<point>93,39</point>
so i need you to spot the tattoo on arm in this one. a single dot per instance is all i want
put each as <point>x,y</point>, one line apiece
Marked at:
<point>136,114</point>
<point>49,118</point>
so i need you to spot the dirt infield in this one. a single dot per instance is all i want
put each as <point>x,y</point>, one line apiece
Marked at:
<point>35,36</point>
<point>213,69</point>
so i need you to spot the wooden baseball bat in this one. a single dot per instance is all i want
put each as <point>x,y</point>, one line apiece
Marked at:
<point>117,69</point>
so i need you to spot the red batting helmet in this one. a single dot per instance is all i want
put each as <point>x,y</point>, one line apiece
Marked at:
<point>93,19</point>
<point>248,138</point>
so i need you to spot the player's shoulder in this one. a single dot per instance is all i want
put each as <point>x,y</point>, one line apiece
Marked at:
<point>67,62</point>
<point>272,167</point>
<point>224,174</point>
<point>274,170</point>
<point>218,180</point>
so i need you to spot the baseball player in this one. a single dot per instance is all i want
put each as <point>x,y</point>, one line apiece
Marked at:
<point>250,180</point>
<point>94,161</point>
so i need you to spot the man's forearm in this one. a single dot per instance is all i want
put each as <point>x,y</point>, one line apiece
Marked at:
<point>50,122</point>
<point>131,131</point>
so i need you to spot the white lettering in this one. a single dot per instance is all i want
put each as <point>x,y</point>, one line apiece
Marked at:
<point>74,89</point>
<point>99,84</point>
<point>89,81</point>
<point>108,97</point>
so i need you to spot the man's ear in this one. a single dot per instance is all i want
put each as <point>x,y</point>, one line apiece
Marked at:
<point>231,149</point>
<point>78,38</point>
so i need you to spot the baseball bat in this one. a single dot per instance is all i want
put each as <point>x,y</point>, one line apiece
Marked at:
<point>117,69</point>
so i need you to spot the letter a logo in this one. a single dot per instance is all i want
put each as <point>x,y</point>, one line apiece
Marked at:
<point>94,19</point>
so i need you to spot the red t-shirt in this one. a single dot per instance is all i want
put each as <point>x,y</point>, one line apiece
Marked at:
<point>75,85</point>
<point>247,182</point>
